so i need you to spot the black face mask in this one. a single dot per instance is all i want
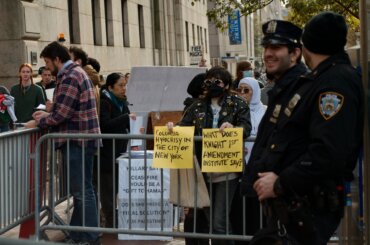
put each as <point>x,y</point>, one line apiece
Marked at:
<point>214,91</point>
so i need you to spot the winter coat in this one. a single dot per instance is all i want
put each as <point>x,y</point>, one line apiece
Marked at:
<point>112,121</point>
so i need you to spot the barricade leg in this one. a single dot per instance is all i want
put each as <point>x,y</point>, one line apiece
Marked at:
<point>27,228</point>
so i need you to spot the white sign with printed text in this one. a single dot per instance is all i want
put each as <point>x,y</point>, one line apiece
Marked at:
<point>133,211</point>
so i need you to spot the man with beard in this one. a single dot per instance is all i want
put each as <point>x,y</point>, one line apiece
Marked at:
<point>219,109</point>
<point>282,58</point>
<point>310,140</point>
<point>74,111</point>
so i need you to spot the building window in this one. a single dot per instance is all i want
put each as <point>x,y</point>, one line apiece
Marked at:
<point>205,40</point>
<point>109,22</point>
<point>201,36</point>
<point>187,35</point>
<point>125,29</point>
<point>95,12</point>
<point>73,21</point>
<point>198,35</point>
<point>141,25</point>
<point>157,26</point>
<point>193,29</point>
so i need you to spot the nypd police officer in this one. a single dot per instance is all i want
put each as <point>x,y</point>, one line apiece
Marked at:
<point>282,58</point>
<point>310,138</point>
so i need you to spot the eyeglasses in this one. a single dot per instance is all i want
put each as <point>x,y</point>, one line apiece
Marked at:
<point>243,90</point>
<point>209,82</point>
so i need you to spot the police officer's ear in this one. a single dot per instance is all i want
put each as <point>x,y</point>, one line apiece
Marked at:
<point>295,55</point>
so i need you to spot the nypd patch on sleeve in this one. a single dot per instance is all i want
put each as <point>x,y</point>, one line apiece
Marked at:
<point>330,104</point>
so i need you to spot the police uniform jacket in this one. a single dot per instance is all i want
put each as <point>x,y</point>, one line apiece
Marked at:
<point>312,130</point>
<point>233,110</point>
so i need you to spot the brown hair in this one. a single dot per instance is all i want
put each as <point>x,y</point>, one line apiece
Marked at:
<point>242,66</point>
<point>20,68</point>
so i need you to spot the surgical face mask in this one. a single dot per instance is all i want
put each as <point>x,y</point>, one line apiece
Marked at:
<point>248,73</point>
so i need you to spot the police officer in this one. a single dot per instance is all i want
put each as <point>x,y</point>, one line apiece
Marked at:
<point>315,134</point>
<point>282,58</point>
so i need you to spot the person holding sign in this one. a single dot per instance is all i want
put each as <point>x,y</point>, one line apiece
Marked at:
<point>114,118</point>
<point>219,109</point>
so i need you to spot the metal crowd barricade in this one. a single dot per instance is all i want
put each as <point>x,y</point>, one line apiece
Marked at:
<point>58,192</point>
<point>16,180</point>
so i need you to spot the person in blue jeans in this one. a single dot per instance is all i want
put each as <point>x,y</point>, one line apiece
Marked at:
<point>75,157</point>
<point>73,111</point>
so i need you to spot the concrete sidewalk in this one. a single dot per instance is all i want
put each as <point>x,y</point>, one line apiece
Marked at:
<point>107,239</point>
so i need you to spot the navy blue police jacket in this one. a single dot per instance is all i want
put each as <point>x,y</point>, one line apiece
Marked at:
<point>312,129</point>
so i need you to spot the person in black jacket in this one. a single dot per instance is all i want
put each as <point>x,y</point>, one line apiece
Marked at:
<point>114,118</point>
<point>282,57</point>
<point>310,138</point>
<point>218,109</point>
<point>196,89</point>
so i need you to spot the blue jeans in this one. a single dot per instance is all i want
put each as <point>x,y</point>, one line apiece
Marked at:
<point>219,208</point>
<point>4,128</point>
<point>83,205</point>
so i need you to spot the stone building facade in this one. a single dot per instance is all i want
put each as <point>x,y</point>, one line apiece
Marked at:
<point>119,33</point>
<point>223,51</point>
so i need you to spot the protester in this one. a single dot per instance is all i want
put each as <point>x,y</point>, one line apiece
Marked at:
<point>304,154</point>
<point>196,90</point>
<point>243,69</point>
<point>96,65</point>
<point>74,111</point>
<point>7,114</point>
<point>27,95</point>
<point>46,81</point>
<point>114,119</point>
<point>80,57</point>
<point>127,76</point>
<point>220,110</point>
<point>249,90</point>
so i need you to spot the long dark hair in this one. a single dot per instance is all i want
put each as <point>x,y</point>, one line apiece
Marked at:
<point>111,80</point>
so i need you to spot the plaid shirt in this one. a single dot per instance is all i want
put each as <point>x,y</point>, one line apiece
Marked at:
<point>74,109</point>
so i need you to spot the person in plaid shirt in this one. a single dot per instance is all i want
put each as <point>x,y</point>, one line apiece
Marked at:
<point>73,111</point>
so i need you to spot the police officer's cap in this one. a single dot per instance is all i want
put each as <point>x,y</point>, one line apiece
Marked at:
<point>281,32</point>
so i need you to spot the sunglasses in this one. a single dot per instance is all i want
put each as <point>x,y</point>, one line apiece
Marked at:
<point>209,82</point>
<point>243,90</point>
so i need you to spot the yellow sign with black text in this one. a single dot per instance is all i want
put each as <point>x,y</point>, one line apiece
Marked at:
<point>222,152</point>
<point>173,149</point>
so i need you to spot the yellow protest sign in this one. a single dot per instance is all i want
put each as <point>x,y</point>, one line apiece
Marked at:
<point>222,152</point>
<point>173,149</point>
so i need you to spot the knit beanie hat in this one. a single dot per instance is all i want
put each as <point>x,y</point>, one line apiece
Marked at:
<point>325,33</point>
<point>195,87</point>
